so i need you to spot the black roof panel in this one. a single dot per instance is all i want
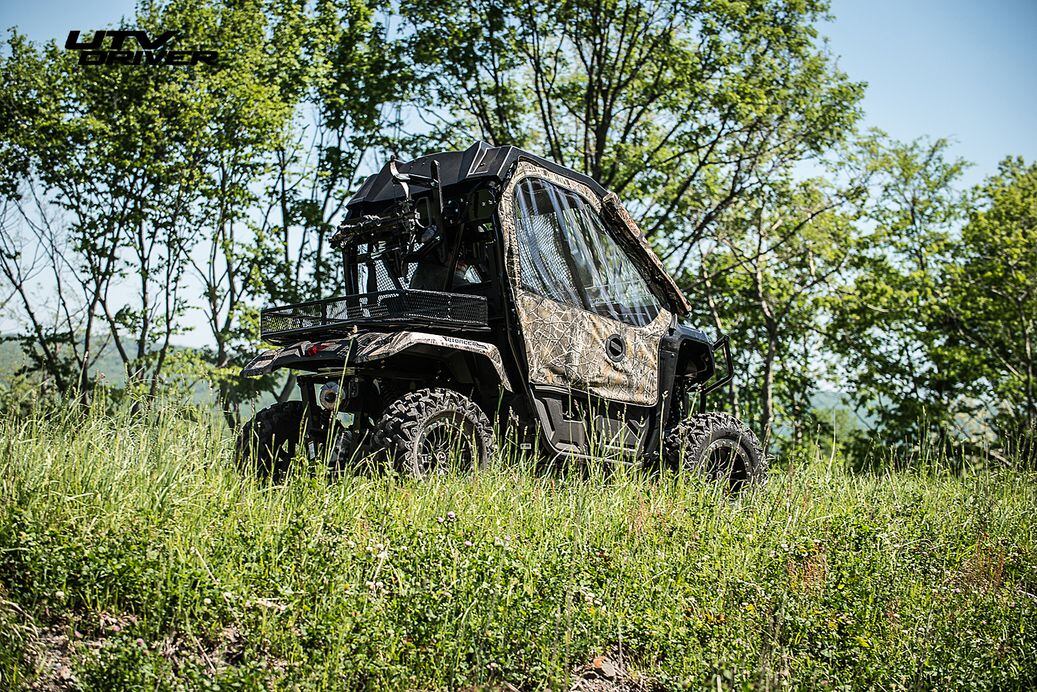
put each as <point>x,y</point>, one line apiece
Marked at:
<point>479,161</point>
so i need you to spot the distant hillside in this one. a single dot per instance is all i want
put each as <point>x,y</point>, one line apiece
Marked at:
<point>108,366</point>
<point>109,369</point>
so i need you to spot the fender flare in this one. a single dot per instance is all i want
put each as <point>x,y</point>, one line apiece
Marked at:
<point>395,343</point>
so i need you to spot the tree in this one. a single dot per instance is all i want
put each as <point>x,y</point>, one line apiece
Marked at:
<point>889,320</point>
<point>764,282</point>
<point>109,155</point>
<point>680,108</point>
<point>133,185</point>
<point>329,77</point>
<point>249,106</point>
<point>30,249</point>
<point>358,76</point>
<point>992,296</point>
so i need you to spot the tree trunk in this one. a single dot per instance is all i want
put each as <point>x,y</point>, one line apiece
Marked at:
<point>767,393</point>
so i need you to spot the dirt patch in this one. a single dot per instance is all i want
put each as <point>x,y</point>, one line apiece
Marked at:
<point>608,673</point>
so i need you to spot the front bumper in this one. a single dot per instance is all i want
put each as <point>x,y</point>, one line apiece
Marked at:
<point>722,345</point>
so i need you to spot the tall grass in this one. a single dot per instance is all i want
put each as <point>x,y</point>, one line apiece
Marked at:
<point>132,554</point>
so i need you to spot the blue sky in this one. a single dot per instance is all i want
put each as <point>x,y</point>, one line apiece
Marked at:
<point>964,70</point>
<point>950,68</point>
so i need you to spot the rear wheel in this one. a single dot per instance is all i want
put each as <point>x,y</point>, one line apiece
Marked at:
<point>432,431</point>
<point>718,446</point>
<point>268,442</point>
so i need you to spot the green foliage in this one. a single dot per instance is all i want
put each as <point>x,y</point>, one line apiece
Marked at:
<point>680,108</point>
<point>991,288</point>
<point>129,155</point>
<point>132,553</point>
<point>765,282</point>
<point>162,176</point>
<point>934,326</point>
<point>889,322</point>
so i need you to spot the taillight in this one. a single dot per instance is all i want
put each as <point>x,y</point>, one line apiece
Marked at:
<point>314,349</point>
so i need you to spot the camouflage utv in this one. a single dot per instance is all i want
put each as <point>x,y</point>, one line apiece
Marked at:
<point>492,291</point>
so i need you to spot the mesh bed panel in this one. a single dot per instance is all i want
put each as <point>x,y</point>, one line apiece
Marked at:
<point>432,308</point>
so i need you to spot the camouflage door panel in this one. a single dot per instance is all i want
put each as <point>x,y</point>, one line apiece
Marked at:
<point>567,346</point>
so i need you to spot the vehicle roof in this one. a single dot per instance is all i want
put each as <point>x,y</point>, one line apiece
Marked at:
<point>478,162</point>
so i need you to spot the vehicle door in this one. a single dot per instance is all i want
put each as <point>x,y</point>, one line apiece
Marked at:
<point>590,322</point>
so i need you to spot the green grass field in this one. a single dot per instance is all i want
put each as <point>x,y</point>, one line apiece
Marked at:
<point>132,555</point>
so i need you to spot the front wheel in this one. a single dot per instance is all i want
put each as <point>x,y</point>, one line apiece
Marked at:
<point>431,431</point>
<point>719,446</point>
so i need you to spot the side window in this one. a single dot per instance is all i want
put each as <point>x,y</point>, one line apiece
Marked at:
<point>566,253</point>
<point>546,266</point>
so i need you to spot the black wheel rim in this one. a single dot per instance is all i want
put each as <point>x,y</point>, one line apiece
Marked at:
<point>446,442</point>
<point>726,460</point>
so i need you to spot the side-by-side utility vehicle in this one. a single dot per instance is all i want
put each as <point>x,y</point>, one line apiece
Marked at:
<point>492,293</point>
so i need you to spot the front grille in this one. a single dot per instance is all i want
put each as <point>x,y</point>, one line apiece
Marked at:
<point>397,307</point>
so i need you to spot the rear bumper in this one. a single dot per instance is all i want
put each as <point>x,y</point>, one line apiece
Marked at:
<point>309,355</point>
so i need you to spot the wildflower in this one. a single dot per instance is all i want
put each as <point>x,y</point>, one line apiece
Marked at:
<point>468,544</point>
<point>451,516</point>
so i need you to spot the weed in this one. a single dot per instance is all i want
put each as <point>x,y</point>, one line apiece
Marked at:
<point>132,554</point>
